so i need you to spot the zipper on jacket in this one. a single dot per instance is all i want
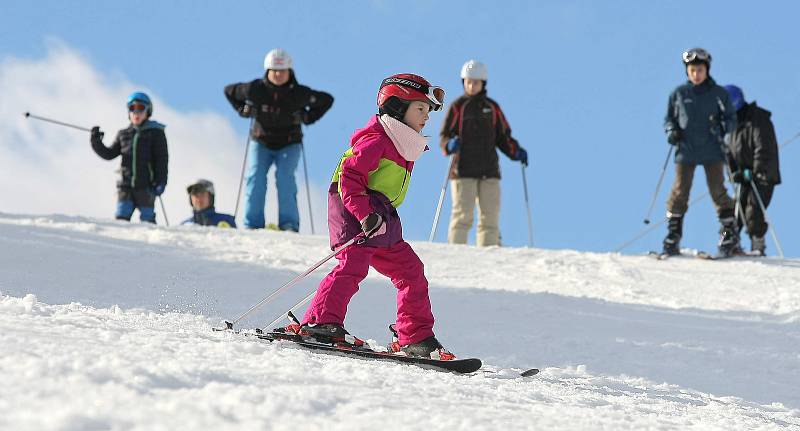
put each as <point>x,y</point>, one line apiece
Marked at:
<point>133,162</point>
<point>405,175</point>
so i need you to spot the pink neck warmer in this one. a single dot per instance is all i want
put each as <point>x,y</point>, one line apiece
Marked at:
<point>409,143</point>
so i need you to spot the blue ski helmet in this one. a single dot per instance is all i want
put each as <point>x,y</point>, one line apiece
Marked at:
<point>143,98</point>
<point>737,96</point>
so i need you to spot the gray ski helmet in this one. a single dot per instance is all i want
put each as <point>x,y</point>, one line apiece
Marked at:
<point>199,186</point>
<point>697,56</point>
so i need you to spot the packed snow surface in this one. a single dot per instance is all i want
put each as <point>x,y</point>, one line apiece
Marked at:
<point>107,325</point>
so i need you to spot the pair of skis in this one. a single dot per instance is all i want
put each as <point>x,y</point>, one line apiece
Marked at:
<point>460,366</point>
<point>702,255</point>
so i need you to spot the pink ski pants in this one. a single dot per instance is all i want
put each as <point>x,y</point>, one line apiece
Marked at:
<point>401,265</point>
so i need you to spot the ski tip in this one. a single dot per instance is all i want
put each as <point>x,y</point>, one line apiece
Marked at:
<point>531,372</point>
<point>658,255</point>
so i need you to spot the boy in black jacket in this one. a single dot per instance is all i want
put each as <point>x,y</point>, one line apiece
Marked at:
<point>753,160</point>
<point>143,170</point>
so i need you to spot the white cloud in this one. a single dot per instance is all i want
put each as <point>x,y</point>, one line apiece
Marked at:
<point>48,168</point>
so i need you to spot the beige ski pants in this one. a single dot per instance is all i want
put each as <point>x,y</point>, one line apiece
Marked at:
<point>466,192</point>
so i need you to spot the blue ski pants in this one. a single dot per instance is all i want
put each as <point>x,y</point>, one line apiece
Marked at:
<point>260,158</point>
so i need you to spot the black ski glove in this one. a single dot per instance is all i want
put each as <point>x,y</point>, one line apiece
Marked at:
<point>373,225</point>
<point>97,136</point>
<point>158,189</point>
<point>743,176</point>
<point>674,136</point>
<point>761,178</point>
<point>300,117</point>
<point>247,110</point>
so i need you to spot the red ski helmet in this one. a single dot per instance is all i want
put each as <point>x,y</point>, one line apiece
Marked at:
<point>398,91</point>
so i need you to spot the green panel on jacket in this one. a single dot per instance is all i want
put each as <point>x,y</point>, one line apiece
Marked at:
<point>388,178</point>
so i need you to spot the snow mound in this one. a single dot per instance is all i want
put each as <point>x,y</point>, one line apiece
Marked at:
<point>107,325</point>
<point>109,368</point>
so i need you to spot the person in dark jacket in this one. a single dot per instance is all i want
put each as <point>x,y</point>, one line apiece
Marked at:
<point>279,106</point>
<point>143,170</point>
<point>753,157</point>
<point>699,123</point>
<point>473,130</point>
<point>201,198</point>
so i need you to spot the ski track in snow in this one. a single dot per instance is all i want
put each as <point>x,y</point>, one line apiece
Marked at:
<point>625,342</point>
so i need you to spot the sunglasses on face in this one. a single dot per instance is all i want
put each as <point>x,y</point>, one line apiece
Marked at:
<point>137,107</point>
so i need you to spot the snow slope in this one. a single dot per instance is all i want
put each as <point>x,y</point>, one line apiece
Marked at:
<point>106,325</point>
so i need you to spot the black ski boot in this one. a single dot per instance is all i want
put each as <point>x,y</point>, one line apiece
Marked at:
<point>729,238</point>
<point>427,348</point>
<point>758,246</point>
<point>672,243</point>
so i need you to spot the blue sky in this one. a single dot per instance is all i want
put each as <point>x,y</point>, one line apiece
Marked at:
<point>583,84</point>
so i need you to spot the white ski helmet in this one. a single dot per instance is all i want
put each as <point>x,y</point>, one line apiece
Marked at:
<point>474,69</point>
<point>277,59</point>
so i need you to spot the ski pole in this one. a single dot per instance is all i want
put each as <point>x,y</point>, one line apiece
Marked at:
<point>764,211</point>
<point>291,310</point>
<point>441,199</point>
<point>658,186</point>
<point>640,235</point>
<point>308,189</point>
<point>358,239</point>
<point>528,207</point>
<point>737,209</point>
<point>29,115</point>
<point>244,166</point>
<point>163,210</point>
<point>738,212</point>
<point>653,227</point>
<point>790,140</point>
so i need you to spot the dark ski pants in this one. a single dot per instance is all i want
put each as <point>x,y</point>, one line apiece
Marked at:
<point>678,202</point>
<point>129,199</point>
<point>756,224</point>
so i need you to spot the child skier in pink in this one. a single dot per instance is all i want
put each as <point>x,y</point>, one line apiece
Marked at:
<point>368,185</point>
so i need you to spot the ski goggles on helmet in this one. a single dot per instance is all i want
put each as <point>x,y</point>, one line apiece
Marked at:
<point>137,107</point>
<point>197,189</point>
<point>434,94</point>
<point>696,54</point>
<point>200,186</point>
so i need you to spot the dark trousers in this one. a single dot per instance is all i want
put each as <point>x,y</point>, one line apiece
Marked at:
<point>678,202</point>
<point>129,199</point>
<point>756,224</point>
